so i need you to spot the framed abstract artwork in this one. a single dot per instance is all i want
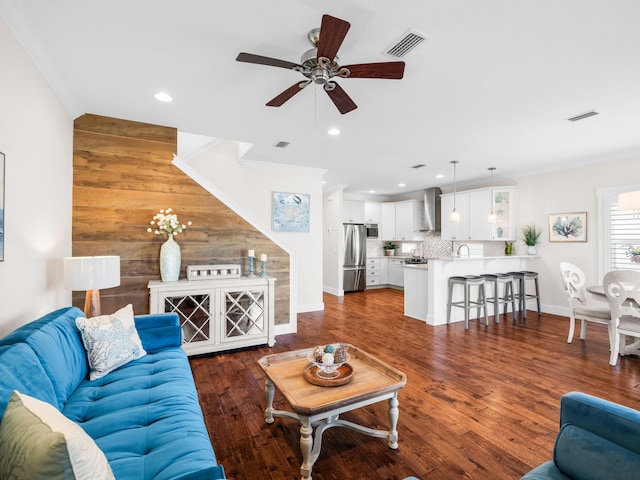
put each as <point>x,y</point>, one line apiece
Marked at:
<point>290,212</point>
<point>1,207</point>
<point>568,227</point>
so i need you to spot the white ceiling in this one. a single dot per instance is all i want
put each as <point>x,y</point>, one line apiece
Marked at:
<point>492,86</point>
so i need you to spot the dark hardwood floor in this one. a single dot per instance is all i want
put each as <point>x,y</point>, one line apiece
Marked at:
<point>478,404</point>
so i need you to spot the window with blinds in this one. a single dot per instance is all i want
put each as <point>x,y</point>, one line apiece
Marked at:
<point>625,234</point>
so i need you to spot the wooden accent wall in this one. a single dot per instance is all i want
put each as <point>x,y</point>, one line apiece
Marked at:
<point>122,177</point>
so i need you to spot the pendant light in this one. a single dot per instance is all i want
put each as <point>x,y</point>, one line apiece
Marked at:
<point>454,216</point>
<point>492,218</point>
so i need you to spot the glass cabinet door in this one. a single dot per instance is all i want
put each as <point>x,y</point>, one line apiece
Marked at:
<point>244,313</point>
<point>195,316</point>
<point>504,208</point>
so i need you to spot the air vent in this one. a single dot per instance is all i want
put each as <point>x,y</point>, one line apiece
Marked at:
<point>405,44</point>
<point>582,116</point>
<point>282,144</point>
<point>419,165</point>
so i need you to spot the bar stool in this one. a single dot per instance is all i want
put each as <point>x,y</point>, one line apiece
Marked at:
<point>468,281</point>
<point>522,294</point>
<point>508,293</point>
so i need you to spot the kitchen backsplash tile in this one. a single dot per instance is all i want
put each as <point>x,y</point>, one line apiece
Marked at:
<point>434,247</point>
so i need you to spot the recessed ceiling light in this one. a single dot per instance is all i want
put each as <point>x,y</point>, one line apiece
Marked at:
<point>163,97</point>
<point>372,191</point>
<point>333,131</point>
<point>402,185</point>
<point>440,175</point>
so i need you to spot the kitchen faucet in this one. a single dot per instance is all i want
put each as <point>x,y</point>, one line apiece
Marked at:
<point>460,248</point>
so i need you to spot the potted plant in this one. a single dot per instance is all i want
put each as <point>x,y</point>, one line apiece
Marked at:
<point>508,248</point>
<point>389,249</point>
<point>530,236</point>
<point>634,253</point>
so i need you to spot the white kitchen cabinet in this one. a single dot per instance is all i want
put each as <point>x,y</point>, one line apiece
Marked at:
<point>387,225</point>
<point>504,203</point>
<point>479,208</point>
<point>396,272</point>
<point>384,270</point>
<point>218,315</point>
<point>352,211</point>
<point>371,212</point>
<point>408,220</point>
<point>373,272</point>
<point>455,231</point>
<point>474,207</point>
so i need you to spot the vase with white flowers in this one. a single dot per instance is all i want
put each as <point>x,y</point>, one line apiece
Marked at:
<point>166,223</point>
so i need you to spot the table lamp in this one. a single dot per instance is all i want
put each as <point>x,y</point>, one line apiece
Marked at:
<point>91,274</point>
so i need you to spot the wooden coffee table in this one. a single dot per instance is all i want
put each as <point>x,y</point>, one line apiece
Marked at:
<point>319,407</point>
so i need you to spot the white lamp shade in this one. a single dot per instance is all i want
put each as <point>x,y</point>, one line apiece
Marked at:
<point>454,216</point>
<point>629,201</point>
<point>91,273</point>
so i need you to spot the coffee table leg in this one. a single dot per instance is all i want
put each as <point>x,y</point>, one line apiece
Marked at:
<point>393,421</point>
<point>306,445</point>
<point>269,391</point>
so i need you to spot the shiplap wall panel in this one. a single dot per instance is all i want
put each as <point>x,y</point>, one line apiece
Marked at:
<point>122,176</point>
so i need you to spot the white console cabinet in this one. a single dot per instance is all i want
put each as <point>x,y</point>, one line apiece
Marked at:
<point>218,315</point>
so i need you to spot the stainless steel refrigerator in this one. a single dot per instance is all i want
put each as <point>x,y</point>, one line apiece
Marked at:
<point>355,257</point>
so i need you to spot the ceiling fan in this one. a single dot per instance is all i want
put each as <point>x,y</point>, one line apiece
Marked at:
<point>320,64</point>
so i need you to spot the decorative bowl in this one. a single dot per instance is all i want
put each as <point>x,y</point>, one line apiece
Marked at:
<point>325,370</point>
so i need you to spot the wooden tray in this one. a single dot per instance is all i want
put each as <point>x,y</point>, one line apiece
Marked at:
<point>345,372</point>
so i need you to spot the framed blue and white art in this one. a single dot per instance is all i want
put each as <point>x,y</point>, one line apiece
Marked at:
<point>1,207</point>
<point>568,227</point>
<point>290,212</point>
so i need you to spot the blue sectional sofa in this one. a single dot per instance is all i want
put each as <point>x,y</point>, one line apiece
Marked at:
<point>598,439</point>
<point>145,415</point>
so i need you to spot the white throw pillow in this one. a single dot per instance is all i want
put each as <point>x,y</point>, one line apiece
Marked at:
<point>110,340</point>
<point>39,443</point>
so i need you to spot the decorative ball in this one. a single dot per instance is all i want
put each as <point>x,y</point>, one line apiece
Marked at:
<point>329,348</point>
<point>340,355</point>
<point>318,352</point>
<point>327,359</point>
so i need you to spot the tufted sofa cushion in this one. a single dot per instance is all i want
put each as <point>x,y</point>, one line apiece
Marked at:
<point>142,405</point>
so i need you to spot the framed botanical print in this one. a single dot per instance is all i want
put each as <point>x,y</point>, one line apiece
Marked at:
<point>568,227</point>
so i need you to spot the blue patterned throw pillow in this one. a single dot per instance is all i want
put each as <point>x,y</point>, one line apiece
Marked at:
<point>110,340</point>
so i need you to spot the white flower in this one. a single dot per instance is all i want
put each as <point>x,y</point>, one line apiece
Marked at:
<point>167,222</point>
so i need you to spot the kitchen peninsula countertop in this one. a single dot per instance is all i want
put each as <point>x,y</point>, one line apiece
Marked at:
<point>437,273</point>
<point>496,257</point>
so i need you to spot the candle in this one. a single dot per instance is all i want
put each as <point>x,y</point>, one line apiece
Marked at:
<point>252,253</point>
<point>263,257</point>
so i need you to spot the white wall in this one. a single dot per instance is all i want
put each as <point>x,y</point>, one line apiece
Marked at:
<point>332,241</point>
<point>36,135</point>
<point>571,190</point>
<point>250,187</point>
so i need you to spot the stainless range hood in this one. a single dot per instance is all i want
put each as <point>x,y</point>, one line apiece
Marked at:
<point>431,221</point>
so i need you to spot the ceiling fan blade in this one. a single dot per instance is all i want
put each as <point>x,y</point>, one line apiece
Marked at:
<point>287,94</point>
<point>259,59</point>
<point>341,99</point>
<point>391,70</point>
<point>332,33</point>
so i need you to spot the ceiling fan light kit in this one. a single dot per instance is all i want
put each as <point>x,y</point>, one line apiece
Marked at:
<point>320,65</point>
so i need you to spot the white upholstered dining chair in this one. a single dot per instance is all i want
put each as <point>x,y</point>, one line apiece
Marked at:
<point>622,288</point>
<point>574,285</point>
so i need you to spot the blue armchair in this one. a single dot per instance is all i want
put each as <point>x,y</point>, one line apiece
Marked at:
<point>598,439</point>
